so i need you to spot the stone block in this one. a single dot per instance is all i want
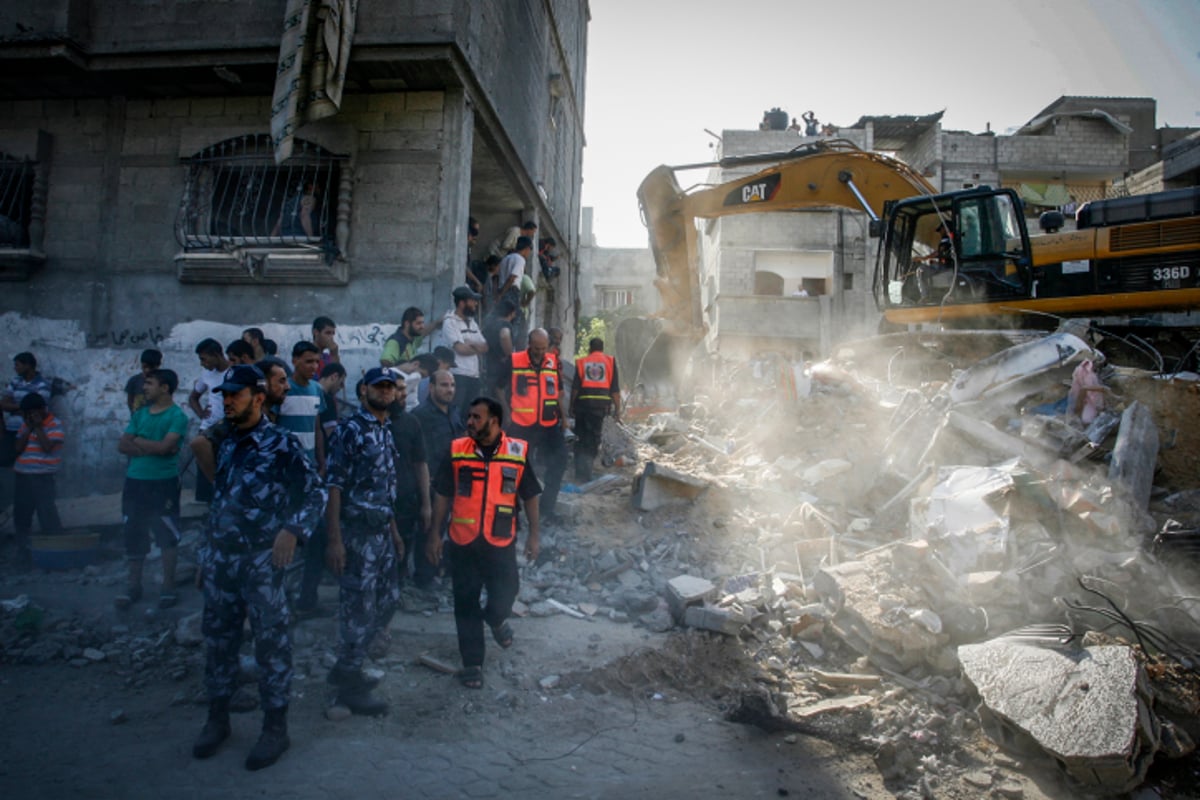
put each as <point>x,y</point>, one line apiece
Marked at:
<point>1135,454</point>
<point>658,486</point>
<point>711,618</point>
<point>688,590</point>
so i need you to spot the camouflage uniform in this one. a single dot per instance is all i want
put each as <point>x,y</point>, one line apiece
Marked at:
<point>264,484</point>
<point>362,464</point>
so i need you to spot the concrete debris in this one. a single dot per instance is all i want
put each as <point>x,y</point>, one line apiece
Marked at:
<point>1088,708</point>
<point>687,590</point>
<point>727,621</point>
<point>658,485</point>
<point>1135,454</point>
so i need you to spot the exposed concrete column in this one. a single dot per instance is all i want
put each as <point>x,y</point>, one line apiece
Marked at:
<point>100,313</point>
<point>450,247</point>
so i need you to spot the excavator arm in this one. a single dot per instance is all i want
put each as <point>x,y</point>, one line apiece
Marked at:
<point>832,173</point>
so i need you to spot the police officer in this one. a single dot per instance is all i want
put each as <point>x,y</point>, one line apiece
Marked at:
<point>482,486</point>
<point>266,495</point>
<point>364,543</point>
<point>595,393</point>
<point>534,397</point>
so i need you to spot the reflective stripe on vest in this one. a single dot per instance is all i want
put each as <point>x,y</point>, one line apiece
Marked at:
<point>485,491</point>
<point>595,375</point>
<point>534,391</point>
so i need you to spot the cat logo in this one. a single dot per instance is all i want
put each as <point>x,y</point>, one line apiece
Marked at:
<point>758,191</point>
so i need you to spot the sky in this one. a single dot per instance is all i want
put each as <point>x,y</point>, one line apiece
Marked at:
<point>660,72</point>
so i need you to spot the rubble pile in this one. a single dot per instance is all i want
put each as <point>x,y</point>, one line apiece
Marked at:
<point>908,530</point>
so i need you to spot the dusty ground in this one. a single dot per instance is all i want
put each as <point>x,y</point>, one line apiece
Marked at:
<point>634,713</point>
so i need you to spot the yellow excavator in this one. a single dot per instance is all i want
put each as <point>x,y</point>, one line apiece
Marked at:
<point>962,259</point>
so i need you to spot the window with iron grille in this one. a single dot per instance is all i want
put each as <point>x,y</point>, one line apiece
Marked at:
<point>236,196</point>
<point>16,201</point>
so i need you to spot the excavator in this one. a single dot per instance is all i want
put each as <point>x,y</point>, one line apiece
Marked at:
<point>960,259</point>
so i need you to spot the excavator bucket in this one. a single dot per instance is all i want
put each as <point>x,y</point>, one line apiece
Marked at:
<point>653,363</point>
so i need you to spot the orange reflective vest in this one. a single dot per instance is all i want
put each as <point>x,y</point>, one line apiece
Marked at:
<point>595,375</point>
<point>485,490</point>
<point>534,391</point>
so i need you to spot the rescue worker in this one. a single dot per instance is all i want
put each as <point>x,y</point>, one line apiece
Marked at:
<point>595,394</point>
<point>482,486</point>
<point>364,543</point>
<point>267,495</point>
<point>534,396</point>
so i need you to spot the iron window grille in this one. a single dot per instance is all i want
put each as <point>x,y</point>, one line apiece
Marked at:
<point>235,196</point>
<point>16,201</point>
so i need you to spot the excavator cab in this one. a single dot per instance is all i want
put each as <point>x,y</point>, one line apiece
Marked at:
<point>960,247</point>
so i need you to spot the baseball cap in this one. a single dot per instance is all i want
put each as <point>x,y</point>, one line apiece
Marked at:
<point>465,292</point>
<point>444,353</point>
<point>241,377</point>
<point>379,375</point>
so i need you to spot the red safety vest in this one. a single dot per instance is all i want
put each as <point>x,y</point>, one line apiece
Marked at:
<point>595,375</point>
<point>534,391</point>
<point>485,491</point>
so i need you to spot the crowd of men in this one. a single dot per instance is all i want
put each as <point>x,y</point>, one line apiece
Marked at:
<point>390,489</point>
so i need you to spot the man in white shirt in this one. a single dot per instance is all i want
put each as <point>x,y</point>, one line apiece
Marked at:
<point>461,333</point>
<point>201,400</point>
<point>510,271</point>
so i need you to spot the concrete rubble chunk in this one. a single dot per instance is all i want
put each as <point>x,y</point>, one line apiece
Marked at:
<point>658,486</point>
<point>688,590</point>
<point>885,632</point>
<point>834,705</point>
<point>965,516</point>
<point>1135,454</point>
<point>1089,708</point>
<point>719,620</point>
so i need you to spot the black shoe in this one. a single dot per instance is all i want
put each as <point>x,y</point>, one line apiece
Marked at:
<point>344,678</point>
<point>216,730</point>
<point>361,701</point>
<point>272,743</point>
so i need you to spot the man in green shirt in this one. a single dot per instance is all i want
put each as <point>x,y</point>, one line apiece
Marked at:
<point>150,500</point>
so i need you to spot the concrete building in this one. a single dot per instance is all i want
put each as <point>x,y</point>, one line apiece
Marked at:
<point>614,278</point>
<point>754,266</point>
<point>136,139</point>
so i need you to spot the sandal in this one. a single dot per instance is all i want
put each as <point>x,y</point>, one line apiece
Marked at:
<point>131,596</point>
<point>471,677</point>
<point>503,634</point>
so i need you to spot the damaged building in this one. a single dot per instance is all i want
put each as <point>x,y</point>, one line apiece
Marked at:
<point>149,205</point>
<point>809,272</point>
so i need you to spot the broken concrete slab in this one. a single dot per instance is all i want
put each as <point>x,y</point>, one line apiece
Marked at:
<point>1135,454</point>
<point>1088,708</point>
<point>658,485</point>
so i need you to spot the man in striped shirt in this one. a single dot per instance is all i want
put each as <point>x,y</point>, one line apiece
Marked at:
<point>39,456</point>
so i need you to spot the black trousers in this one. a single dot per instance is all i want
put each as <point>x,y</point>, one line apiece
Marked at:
<point>548,451</point>
<point>589,424</point>
<point>314,567</point>
<point>473,567</point>
<point>34,494</point>
<point>412,533</point>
